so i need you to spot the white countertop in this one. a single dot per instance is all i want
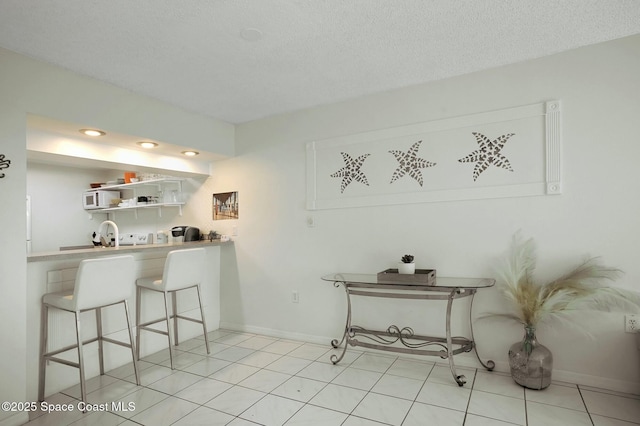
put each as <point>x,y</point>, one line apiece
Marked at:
<point>88,253</point>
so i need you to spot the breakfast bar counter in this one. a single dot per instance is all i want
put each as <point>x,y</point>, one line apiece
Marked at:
<point>92,252</point>
<point>54,271</point>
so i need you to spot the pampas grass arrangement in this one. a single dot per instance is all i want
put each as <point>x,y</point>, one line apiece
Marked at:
<point>583,288</point>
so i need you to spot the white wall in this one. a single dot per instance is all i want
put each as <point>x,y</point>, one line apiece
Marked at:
<point>58,218</point>
<point>277,253</point>
<point>31,87</point>
<point>13,257</point>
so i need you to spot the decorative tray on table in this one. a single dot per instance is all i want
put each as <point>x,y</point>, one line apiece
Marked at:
<point>420,277</point>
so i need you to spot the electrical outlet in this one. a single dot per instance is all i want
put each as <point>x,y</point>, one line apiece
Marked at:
<point>632,323</point>
<point>295,297</point>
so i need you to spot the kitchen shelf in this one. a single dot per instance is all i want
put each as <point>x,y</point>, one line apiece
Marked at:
<point>157,182</point>
<point>160,183</point>
<point>137,207</point>
<point>140,206</point>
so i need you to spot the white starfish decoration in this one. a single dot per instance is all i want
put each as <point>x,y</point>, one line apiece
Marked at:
<point>410,163</point>
<point>488,154</point>
<point>351,171</point>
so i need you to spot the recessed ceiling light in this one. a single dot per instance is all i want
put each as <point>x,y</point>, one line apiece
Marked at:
<point>92,132</point>
<point>251,34</point>
<point>190,153</point>
<point>147,144</point>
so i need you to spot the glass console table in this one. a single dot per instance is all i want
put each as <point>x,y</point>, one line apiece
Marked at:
<point>404,340</point>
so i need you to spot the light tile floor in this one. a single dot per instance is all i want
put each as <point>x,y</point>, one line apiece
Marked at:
<point>250,379</point>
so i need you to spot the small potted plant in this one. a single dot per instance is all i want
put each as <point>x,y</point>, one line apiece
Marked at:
<point>407,266</point>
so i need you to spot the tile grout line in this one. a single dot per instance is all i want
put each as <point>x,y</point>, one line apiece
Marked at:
<point>278,396</point>
<point>305,403</point>
<point>466,409</point>
<point>202,378</point>
<point>424,382</point>
<point>526,406</point>
<point>433,365</point>
<point>369,391</point>
<point>147,387</point>
<point>585,405</point>
<point>395,358</point>
<point>270,392</point>
<point>238,384</point>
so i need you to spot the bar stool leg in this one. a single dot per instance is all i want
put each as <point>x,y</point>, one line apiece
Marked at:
<point>83,390</point>
<point>138,304</point>
<point>174,305</point>
<point>44,331</point>
<point>204,325</point>
<point>133,347</point>
<point>100,346</point>
<point>168,320</point>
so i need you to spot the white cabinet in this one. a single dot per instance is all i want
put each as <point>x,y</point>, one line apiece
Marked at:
<point>161,193</point>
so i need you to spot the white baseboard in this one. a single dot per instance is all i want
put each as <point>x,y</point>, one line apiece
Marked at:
<point>570,377</point>
<point>277,333</point>
<point>463,360</point>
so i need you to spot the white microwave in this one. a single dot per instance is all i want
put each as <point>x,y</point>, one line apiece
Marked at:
<point>99,199</point>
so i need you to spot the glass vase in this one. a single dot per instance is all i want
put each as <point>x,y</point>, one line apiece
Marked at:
<point>531,362</point>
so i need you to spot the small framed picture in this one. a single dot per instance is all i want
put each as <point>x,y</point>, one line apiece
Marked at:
<point>225,205</point>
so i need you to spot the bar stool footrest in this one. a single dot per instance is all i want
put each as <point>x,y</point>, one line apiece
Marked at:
<point>154,330</point>
<point>62,361</point>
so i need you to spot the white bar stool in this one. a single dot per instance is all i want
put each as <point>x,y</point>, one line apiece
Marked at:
<point>183,270</point>
<point>99,283</point>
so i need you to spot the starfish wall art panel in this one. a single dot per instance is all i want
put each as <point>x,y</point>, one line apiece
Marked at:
<point>410,164</point>
<point>512,152</point>
<point>352,171</point>
<point>488,154</point>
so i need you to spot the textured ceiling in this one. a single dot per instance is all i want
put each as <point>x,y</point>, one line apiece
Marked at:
<point>192,54</point>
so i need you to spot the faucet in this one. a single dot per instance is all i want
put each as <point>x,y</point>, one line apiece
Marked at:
<point>115,230</point>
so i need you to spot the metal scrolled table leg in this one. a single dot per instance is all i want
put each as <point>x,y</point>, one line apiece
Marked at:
<point>460,380</point>
<point>334,343</point>
<point>490,365</point>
